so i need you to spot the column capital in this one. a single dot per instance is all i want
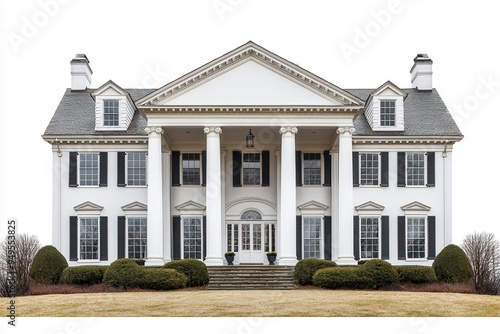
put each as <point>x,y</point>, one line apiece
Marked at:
<point>154,129</point>
<point>215,129</point>
<point>292,129</point>
<point>346,130</point>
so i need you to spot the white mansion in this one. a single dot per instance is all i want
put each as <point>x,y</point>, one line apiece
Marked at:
<point>251,153</point>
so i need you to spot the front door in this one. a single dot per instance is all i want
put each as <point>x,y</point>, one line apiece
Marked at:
<point>252,250</point>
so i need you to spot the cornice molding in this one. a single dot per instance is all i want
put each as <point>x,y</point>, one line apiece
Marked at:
<point>321,110</point>
<point>405,140</point>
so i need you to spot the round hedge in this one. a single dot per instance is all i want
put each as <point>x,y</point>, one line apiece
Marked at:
<point>380,272</point>
<point>305,269</point>
<point>83,275</point>
<point>415,274</point>
<point>124,273</point>
<point>195,271</point>
<point>48,265</point>
<point>162,279</point>
<point>452,266</point>
<point>342,278</point>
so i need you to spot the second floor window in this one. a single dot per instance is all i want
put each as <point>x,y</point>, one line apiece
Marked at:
<point>415,169</point>
<point>136,168</point>
<point>191,168</point>
<point>312,168</point>
<point>387,113</point>
<point>111,113</point>
<point>251,168</point>
<point>89,169</point>
<point>369,169</point>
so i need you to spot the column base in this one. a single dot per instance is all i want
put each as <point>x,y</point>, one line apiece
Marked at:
<point>346,261</point>
<point>154,262</point>
<point>287,261</point>
<point>214,261</point>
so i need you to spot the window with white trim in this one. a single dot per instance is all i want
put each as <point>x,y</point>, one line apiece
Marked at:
<point>232,237</point>
<point>369,237</point>
<point>251,168</point>
<point>136,169</point>
<point>111,112</point>
<point>415,169</point>
<point>312,237</point>
<point>415,238</point>
<point>89,238</point>
<point>88,170</point>
<point>137,237</point>
<point>191,168</point>
<point>387,112</point>
<point>369,167</point>
<point>192,238</point>
<point>312,168</point>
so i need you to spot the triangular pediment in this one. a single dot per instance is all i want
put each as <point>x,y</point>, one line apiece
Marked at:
<point>190,206</point>
<point>135,206</point>
<point>370,206</point>
<point>313,206</point>
<point>88,206</point>
<point>110,88</point>
<point>415,206</point>
<point>250,75</point>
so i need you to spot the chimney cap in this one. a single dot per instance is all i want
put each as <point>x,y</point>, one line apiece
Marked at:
<point>80,58</point>
<point>422,57</point>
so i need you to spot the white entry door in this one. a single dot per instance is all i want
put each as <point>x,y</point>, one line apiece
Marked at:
<point>252,250</point>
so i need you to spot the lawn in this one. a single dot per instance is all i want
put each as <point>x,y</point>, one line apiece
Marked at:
<point>259,303</point>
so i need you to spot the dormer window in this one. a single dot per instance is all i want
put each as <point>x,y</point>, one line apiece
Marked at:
<point>387,112</point>
<point>111,112</point>
<point>384,108</point>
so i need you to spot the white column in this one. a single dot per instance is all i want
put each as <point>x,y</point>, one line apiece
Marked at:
<point>288,256</point>
<point>167,235</point>
<point>335,202</point>
<point>155,194</point>
<point>223,200</point>
<point>56,199</point>
<point>213,198</point>
<point>278,202</point>
<point>345,199</point>
<point>447,186</point>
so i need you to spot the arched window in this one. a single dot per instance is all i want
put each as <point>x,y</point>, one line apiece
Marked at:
<point>251,215</point>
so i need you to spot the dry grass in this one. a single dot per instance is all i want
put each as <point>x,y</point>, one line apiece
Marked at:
<point>275,303</point>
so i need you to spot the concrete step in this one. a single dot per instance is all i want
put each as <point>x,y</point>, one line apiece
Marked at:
<point>250,277</point>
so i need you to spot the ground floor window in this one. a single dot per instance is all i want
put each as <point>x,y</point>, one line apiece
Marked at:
<point>369,237</point>
<point>89,238</point>
<point>137,238</point>
<point>312,237</point>
<point>192,238</point>
<point>415,237</point>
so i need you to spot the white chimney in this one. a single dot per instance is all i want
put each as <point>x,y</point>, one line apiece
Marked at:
<point>81,73</point>
<point>421,72</point>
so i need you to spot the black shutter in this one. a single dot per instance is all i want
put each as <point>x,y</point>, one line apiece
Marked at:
<point>431,236</point>
<point>328,237</point>
<point>401,169</point>
<point>401,238</point>
<point>384,169</point>
<point>103,169</point>
<point>203,168</point>
<point>385,238</point>
<point>73,238</point>
<point>73,162</point>
<point>298,233</point>
<point>355,169</point>
<point>121,237</point>
<point>176,165</point>
<point>431,169</point>
<point>176,237</point>
<point>265,169</point>
<point>103,238</point>
<point>328,168</point>
<point>298,168</point>
<point>121,169</point>
<point>356,237</point>
<point>204,255</point>
<point>237,168</point>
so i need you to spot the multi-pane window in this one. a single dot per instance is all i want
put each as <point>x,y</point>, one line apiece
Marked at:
<point>369,169</point>
<point>415,169</point>
<point>312,168</point>
<point>111,112</point>
<point>245,237</point>
<point>89,169</point>
<point>192,238</point>
<point>251,168</point>
<point>89,238</point>
<point>191,170</point>
<point>137,238</point>
<point>415,238</point>
<point>232,237</point>
<point>312,237</point>
<point>136,168</point>
<point>369,238</point>
<point>387,113</point>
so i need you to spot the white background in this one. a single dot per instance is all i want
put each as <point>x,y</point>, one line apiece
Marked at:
<point>148,43</point>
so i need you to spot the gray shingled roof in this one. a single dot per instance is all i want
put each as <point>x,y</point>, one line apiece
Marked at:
<point>425,115</point>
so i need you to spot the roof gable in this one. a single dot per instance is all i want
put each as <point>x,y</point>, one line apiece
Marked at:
<point>110,88</point>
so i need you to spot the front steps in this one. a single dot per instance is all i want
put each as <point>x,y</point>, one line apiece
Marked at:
<point>250,277</point>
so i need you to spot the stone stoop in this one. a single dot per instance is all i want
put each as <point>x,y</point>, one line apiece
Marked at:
<point>248,277</point>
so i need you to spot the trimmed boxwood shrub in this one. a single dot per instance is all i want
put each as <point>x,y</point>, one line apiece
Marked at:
<point>140,262</point>
<point>415,274</point>
<point>162,279</point>
<point>342,278</point>
<point>83,275</point>
<point>48,265</point>
<point>124,273</point>
<point>195,271</point>
<point>452,266</point>
<point>305,269</point>
<point>380,272</point>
